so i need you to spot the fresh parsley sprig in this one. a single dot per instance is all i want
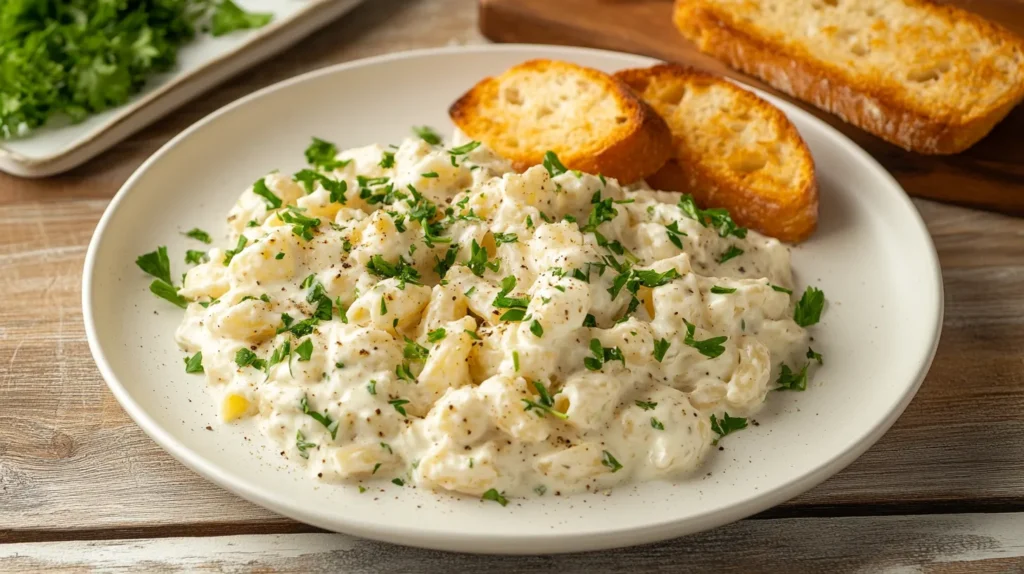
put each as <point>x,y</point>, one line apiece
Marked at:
<point>726,425</point>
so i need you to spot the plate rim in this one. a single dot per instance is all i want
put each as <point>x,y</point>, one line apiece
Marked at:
<point>519,543</point>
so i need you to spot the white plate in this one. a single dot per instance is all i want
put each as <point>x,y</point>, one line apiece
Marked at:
<point>202,63</point>
<point>872,256</point>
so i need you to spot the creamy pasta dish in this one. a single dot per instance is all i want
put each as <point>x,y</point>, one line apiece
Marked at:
<point>422,315</point>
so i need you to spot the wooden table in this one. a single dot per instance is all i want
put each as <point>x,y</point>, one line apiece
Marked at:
<point>82,487</point>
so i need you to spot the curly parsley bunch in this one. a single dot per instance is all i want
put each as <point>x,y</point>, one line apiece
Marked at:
<point>80,57</point>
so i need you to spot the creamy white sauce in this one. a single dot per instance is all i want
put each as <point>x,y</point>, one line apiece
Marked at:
<point>466,426</point>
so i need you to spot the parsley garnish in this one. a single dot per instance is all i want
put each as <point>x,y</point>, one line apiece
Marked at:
<point>398,481</point>
<point>260,188</point>
<point>388,160</point>
<point>443,265</point>
<point>371,387</point>
<point>494,495</point>
<point>500,238</point>
<point>552,164</point>
<point>429,175</point>
<point>660,348</point>
<point>657,424</point>
<point>322,154</point>
<point>398,404</point>
<point>674,234</point>
<point>710,348</point>
<point>645,405</point>
<point>608,460</point>
<point>414,350</point>
<point>477,259</point>
<point>726,425</point>
<point>302,444</point>
<point>401,270</point>
<point>194,364</point>
<point>305,350</point>
<point>228,17</point>
<point>472,335</point>
<point>335,187</point>
<point>536,328</point>
<point>331,425</point>
<point>198,235</point>
<point>464,149</point>
<point>503,301</point>
<point>602,355</point>
<point>808,309</point>
<point>245,358</point>
<point>158,265</point>
<point>436,335</point>
<point>195,257</point>
<point>427,134</point>
<point>515,361</point>
<point>814,356</point>
<point>545,403</point>
<point>790,381</point>
<point>168,292</point>
<point>782,290</point>
<point>718,218</point>
<point>722,290</point>
<point>230,254</point>
<point>731,253</point>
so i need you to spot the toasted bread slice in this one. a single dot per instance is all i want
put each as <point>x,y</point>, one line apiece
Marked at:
<point>590,119</point>
<point>930,78</point>
<point>733,150</point>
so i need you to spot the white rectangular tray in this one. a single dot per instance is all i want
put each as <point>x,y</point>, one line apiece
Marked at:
<point>202,63</point>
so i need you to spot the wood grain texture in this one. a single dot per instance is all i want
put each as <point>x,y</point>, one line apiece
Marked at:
<point>73,465</point>
<point>990,175</point>
<point>941,544</point>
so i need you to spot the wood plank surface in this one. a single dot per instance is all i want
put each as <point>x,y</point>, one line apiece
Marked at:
<point>990,175</point>
<point>939,544</point>
<point>73,465</point>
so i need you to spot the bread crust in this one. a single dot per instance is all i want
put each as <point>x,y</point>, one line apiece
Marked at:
<point>790,215</point>
<point>877,109</point>
<point>628,157</point>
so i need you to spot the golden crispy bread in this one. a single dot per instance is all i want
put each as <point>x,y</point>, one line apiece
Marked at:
<point>930,78</point>
<point>732,149</point>
<point>591,120</point>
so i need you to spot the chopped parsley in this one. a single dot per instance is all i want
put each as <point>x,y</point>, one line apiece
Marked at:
<point>645,405</point>
<point>500,238</point>
<point>442,266</point>
<point>194,364</point>
<point>660,348</point>
<point>782,290</point>
<point>371,387</point>
<point>230,254</point>
<point>304,350</point>
<point>463,149</point>
<point>472,335</point>
<point>436,335</point>
<point>477,259</point>
<point>536,329</point>
<point>198,235</point>
<point>194,257</point>
<point>246,358</point>
<point>429,175</point>
<point>710,348</point>
<point>726,425</point>
<point>730,253</point>
<point>808,309</point>
<point>674,234</point>
<point>602,355</point>
<point>260,188</point>
<point>301,225</point>
<point>608,460</point>
<point>515,361</point>
<point>302,444</point>
<point>503,301</point>
<point>228,17</point>
<point>553,165</point>
<point>427,134</point>
<point>335,187</point>
<point>158,265</point>
<point>589,321</point>
<point>722,290</point>
<point>400,270</point>
<point>414,351</point>
<point>545,403</point>
<point>330,425</point>
<point>399,405</point>
<point>494,495</point>
<point>388,160</point>
<point>717,218</point>
<point>322,154</point>
<point>790,381</point>
<point>655,423</point>
<point>814,356</point>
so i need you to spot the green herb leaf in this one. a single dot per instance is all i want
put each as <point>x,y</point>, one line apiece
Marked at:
<point>260,188</point>
<point>782,290</point>
<point>194,364</point>
<point>228,17</point>
<point>501,238</point>
<point>552,164</point>
<point>814,356</point>
<point>645,405</point>
<point>436,335</point>
<point>304,350</point>
<point>198,235</point>
<point>726,425</point>
<point>790,381</point>
<point>660,348</point>
<point>808,309</point>
<point>400,270</point>
<point>657,424</point>
<point>427,134</point>
<point>414,351</point>
<point>399,405</point>
<point>388,160</point>
<point>245,358</point>
<point>494,495</point>
<point>608,460</point>
<point>165,290</point>
<point>302,444</point>
<point>322,154</point>
<point>722,290</point>
<point>330,425</point>
<point>515,361</point>
<point>371,387</point>
<point>464,149</point>
<point>731,253</point>
<point>398,481</point>
<point>156,264</point>
<point>536,328</point>
<point>710,348</point>
<point>718,218</point>
<point>193,257</point>
<point>230,254</point>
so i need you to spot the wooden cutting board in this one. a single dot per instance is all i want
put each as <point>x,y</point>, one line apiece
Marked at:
<point>990,175</point>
